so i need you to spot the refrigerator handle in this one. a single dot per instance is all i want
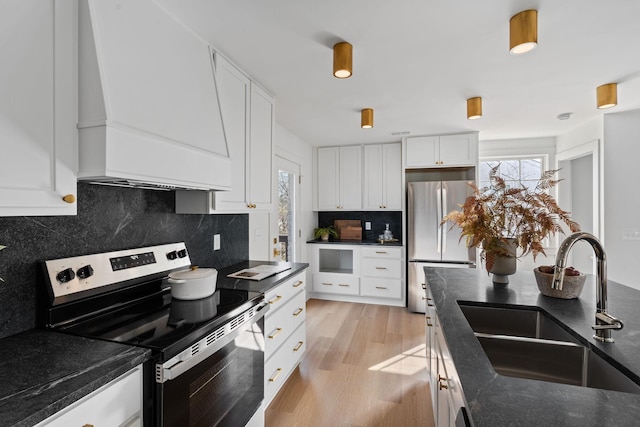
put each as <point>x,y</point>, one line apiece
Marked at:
<point>444,226</point>
<point>438,215</point>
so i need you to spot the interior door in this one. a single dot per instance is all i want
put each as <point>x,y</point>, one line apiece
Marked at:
<point>285,228</point>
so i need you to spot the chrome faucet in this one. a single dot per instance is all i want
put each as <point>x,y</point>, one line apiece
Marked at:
<point>604,321</point>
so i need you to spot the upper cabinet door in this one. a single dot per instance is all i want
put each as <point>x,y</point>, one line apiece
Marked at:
<point>382,188</point>
<point>38,80</point>
<point>392,182</point>
<point>351,178</point>
<point>260,156</point>
<point>422,151</point>
<point>234,91</point>
<point>328,164</point>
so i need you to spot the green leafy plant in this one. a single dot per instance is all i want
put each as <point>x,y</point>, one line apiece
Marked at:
<point>322,231</point>
<point>496,213</point>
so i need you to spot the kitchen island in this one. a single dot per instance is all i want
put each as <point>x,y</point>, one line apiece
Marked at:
<point>496,400</point>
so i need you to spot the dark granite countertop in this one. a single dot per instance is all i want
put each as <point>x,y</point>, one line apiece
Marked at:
<point>263,285</point>
<point>42,372</point>
<point>495,400</point>
<point>355,242</point>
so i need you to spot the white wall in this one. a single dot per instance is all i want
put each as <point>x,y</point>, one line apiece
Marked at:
<point>292,148</point>
<point>592,130</point>
<point>622,195</point>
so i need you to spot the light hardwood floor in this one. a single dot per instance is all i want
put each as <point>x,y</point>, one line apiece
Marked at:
<point>365,365</point>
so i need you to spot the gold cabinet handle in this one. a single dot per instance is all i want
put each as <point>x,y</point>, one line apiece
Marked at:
<point>298,284</point>
<point>276,299</point>
<point>298,311</point>
<point>442,386</point>
<point>88,425</point>
<point>381,268</point>
<point>275,377</point>
<point>276,252</point>
<point>428,303</point>
<point>424,286</point>
<point>327,284</point>
<point>343,285</point>
<point>381,252</point>
<point>381,287</point>
<point>275,334</point>
<point>299,346</point>
<point>69,198</point>
<point>429,321</point>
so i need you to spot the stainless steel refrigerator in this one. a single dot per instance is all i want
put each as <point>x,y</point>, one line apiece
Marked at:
<point>429,242</point>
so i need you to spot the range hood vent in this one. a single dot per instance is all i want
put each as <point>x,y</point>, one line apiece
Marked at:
<point>148,102</point>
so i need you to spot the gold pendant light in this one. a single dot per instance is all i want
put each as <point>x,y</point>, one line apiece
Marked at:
<point>607,95</point>
<point>366,121</point>
<point>474,108</point>
<point>523,32</point>
<point>342,60</point>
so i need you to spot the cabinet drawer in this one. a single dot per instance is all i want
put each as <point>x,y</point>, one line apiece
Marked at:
<point>281,324</point>
<point>383,288</point>
<point>118,403</point>
<point>336,284</point>
<point>278,296</point>
<point>391,268</point>
<point>279,367</point>
<point>382,252</point>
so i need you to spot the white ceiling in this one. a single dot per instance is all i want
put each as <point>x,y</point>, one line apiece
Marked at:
<point>417,61</point>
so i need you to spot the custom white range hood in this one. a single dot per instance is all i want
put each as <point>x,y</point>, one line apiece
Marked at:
<point>148,104</point>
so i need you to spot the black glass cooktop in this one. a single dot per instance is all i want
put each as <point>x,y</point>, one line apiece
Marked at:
<point>166,324</point>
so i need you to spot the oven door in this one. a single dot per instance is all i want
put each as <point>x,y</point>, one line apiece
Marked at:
<point>225,388</point>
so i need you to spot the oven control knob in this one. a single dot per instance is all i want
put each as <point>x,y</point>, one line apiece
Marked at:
<point>66,275</point>
<point>172,255</point>
<point>84,272</point>
<point>182,253</point>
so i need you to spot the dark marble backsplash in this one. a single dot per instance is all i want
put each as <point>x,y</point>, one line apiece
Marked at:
<point>378,220</point>
<point>108,219</point>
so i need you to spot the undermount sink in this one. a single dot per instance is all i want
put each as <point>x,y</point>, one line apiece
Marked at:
<point>527,343</point>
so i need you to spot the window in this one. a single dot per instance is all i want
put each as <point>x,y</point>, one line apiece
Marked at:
<point>515,171</point>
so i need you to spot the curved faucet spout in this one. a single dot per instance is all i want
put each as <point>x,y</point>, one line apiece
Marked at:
<point>604,322</point>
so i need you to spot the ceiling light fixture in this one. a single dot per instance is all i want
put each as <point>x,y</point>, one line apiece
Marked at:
<point>523,32</point>
<point>607,95</point>
<point>366,121</point>
<point>342,60</point>
<point>474,108</point>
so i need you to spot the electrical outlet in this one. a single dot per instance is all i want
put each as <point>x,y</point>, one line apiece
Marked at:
<point>367,225</point>
<point>216,242</point>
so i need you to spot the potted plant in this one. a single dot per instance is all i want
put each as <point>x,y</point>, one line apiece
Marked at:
<point>501,220</point>
<point>323,233</point>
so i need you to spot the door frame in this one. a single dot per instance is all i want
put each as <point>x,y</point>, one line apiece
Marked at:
<point>285,163</point>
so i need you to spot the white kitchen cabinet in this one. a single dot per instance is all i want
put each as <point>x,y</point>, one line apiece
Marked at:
<point>382,177</point>
<point>248,117</point>
<point>285,333</point>
<point>446,391</point>
<point>118,404</point>
<point>441,151</point>
<point>358,273</point>
<point>339,178</point>
<point>148,102</point>
<point>38,80</point>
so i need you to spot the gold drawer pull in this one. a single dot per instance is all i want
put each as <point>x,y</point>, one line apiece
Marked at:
<point>88,425</point>
<point>328,284</point>
<point>275,377</point>
<point>424,298</point>
<point>429,321</point>
<point>299,346</point>
<point>275,334</point>
<point>343,285</point>
<point>428,303</point>
<point>298,311</point>
<point>276,299</point>
<point>424,286</point>
<point>440,385</point>
<point>381,268</point>
<point>381,287</point>
<point>298,283</point>
<point>381,252</point>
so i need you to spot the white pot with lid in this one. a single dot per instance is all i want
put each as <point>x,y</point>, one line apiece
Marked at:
<point>194,283</point>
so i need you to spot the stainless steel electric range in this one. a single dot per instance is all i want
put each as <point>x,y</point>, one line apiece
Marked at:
<point>208,355</point>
